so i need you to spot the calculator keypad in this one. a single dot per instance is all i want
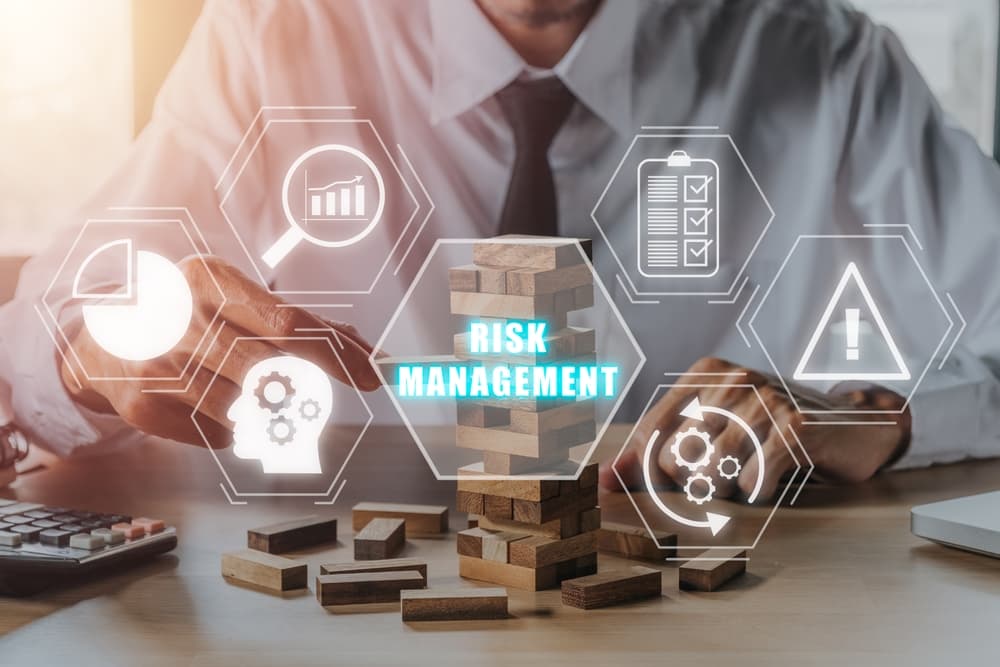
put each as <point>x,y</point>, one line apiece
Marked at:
<point>36,528</point>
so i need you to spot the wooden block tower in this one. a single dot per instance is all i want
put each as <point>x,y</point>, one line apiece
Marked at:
<point>532,533</point>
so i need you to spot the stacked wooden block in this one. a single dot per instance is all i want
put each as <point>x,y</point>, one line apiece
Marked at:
<point>532,533</point>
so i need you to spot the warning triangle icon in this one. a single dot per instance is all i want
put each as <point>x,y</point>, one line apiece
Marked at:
<point>852,348</point>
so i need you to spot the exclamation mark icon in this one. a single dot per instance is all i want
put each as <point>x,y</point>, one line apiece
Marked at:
<point>852,319</point>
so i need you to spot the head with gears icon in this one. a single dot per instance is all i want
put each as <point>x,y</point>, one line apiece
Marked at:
<point>280,414</point>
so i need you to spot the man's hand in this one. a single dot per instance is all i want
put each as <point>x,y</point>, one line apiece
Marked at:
<point>249,311</point>
<point>850,452</point>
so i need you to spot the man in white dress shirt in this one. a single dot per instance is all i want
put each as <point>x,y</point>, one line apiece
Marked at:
<point>841,131</point>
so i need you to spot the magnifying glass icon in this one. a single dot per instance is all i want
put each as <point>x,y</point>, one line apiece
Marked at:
<point>295,233</point>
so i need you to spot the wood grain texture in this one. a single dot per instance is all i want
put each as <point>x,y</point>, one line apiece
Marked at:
<point>537,253</point>
<point>558,463</point>
<point>477,304</point>
<point>554,419</point>
<point>636,542</point>
<point>386,565</point>
<point>262,569</point>
<point>566,526</point>
<point>503,440</point>
<point>482,416</point>
<point>496,546</point>
<point>529,511</point>
<point>454,604</point>
<point>285,536</point>
<point>470,541</point>
<point>366,587</point>
<point>541,551</point>
<point>504,574</point>
<point>469,502</point>
<point>529,282</point>
<point>612,588</point>
<point>463,278</point>
<point>420,519</point>
<point>380,538</point>
<point>525,489</point>
<point>498,507</point>
<point>710,575</point>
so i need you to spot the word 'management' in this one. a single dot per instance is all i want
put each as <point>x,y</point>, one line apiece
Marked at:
<point>486,378</point>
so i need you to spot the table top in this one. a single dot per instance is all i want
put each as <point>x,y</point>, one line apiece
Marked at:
<point>837,579</point>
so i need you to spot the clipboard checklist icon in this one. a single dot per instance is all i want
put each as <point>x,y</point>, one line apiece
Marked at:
<point>678,217</point>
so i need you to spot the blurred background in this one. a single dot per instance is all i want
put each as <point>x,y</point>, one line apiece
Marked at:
<point>78,79</point>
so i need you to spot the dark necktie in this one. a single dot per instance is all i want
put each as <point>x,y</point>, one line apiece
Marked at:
<point>536,110</point>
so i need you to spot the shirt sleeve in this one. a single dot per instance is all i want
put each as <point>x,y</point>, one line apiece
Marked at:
<point>206,103</point>
<point>905,163</point>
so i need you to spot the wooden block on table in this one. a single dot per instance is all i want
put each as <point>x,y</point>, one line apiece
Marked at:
<point>469,502</point>
<point>482,416</point>
<point>526,489</point>
<point>529,511</point>
<point>553,419</point>
<point>386,565</point>
<point>274,573</point>
<point>529,282</point>
<point>635,542</point>
<point>285,536</point>
<point>366,587</point>
<point>454,604</point>
<point>381,538</point>
<point>530,252</point>
<point>496,546</point>
<point>560,528</point>
<point>709,575</point>
<point>502,440</point>
<point>542,551</point>
<point>420,519</point>
<point>505,574</point>
<point>498,507</point>
<point>611,588</point>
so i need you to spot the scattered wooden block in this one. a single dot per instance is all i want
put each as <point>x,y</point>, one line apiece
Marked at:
<point>525,489</point>
<point>274,573</point>
<point>387,565</point>
<point>365,587</point>
<point>380,538</point>
<point>542,551</point>
<point>454,604</point>
<point>528,511</point>
<point>530,252</point>
<point>709,575</point>
<point>635,542</point>
<point>470,541</point>
<point>498,507</point>
<point>420,519</point>
<point>469,502</point>
<point>290,535</point>
<point>482,416</point>
<point>496,546</point>
<point>529,282</point>
<point>611,588</point>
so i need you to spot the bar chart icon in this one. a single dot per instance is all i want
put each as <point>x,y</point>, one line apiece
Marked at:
<point>339,201</point>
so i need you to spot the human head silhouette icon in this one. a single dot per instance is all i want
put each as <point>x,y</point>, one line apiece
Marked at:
<point>280,414</point>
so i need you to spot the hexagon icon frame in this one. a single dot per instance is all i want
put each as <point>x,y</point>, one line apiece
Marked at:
<point>779,499</point>
<point>930,361</point>
<point>622,391</point>
<point>350,453</point>
<point>233,171</point>
<point>201,252</point>
<point>680,132</point>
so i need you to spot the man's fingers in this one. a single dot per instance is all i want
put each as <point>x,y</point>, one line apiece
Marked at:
<point>777,462</point>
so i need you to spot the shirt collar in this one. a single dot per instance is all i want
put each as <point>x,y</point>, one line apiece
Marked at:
<point>472,61</point>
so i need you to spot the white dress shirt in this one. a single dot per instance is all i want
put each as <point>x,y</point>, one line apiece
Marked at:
<point>837,124</point>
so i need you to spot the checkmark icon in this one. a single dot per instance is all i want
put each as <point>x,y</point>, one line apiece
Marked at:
<point>696,253</point>
<point>696,221</point>
<point>696,188</point>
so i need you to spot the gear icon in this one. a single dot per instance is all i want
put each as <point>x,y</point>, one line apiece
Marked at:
<point>281,430</point>
<point>309,410</point>
<point>701,461</point>
<point>709,492</point>
<point>274,377</point>
<point>732,473</point>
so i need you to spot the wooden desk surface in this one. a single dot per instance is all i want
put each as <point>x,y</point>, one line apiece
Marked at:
<point>837,580</point>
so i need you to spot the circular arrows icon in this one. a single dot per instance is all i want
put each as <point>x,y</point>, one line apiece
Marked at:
<point>714,522</point>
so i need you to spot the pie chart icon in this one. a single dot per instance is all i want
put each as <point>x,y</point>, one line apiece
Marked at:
<point>144,318</point>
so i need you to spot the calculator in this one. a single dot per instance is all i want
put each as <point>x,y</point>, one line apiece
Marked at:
<point>41,545</point>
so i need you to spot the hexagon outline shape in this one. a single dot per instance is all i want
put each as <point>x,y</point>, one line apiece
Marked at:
<point>201,257</point>
<point>350,453</point>
<point>777,503</point>
<point>923,274</point>
<point>746,167</point>
<point>409,426</point>
<point>361,121</point>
